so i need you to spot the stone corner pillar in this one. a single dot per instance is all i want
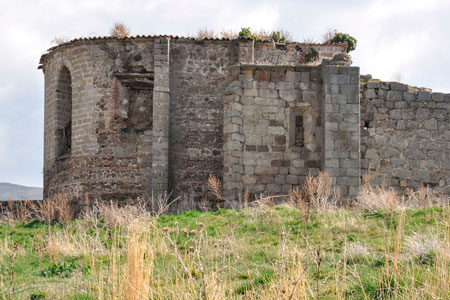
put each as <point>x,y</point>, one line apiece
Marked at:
<point>341,155</point>
<point>161,103</point>
<point>247,52</point>
<point>233,145</point>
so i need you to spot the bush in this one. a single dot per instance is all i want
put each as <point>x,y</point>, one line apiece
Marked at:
<point>120,30</point>
<point>246,33</point>
<point>311,56</point>
<point>38,296</point>
<point>344,37</point>
<point>277,36</point>
<point>63,270</point>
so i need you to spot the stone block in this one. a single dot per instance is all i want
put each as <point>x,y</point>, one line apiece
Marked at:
<point>348,163</point>
<point>396,86</point>
<point>423,96</point>
<point>267,93</point>
<point>283,85</point>
<point>422,114</point>
<point>339,79</point>
<point>395,114</point>
<point>349,126</point>
<point>331,163</point>
<point>280,179</point>
<point>394,95</point>
<point>266,170</point>
<point>292,76</point>
<point>339,98</point>
<point>373,85</point>
<point>370,93</point>
<point>430,124</point>
<point>273,188</point>
<point>309,96</point>
<point>331,126</point>
<point>250,92</point>
<point>292,179</point>
<point>349,108</point>
<point>290,95</point>
<point>409,96</point>
<point>438,97</point>
<point>348,181</point>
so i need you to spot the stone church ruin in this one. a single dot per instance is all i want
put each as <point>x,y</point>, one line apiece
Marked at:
<point>140,116</point>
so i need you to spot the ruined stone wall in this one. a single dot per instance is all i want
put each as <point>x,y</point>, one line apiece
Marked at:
<point>405,137</point>
<point>141,116</point>
<point>111,127</point>
<point>276,119</point>
<point>341,158</point>
<point>198,77</point>
<point>271,53</point>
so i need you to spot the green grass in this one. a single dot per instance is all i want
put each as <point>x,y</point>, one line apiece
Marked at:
<point>250,243</point>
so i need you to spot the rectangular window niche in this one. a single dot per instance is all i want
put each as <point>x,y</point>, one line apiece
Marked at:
<point>302,122</point>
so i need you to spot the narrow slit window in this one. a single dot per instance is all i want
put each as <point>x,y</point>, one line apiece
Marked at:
<point>299,131</point>
<point>64,113</point>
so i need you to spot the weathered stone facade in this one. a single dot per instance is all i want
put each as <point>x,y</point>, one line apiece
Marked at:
<point>405,137</point>
<point>141,116</point>
<point>135,117</point>
<point>283,122</point>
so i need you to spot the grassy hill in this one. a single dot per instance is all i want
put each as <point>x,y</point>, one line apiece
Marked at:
<point>18,192</point>
<point>263,252</point>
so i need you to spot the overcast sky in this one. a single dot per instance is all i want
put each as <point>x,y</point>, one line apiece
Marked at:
<point>407,40</point>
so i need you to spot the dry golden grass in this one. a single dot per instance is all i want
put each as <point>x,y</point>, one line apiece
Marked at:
<point>229,34</point>
<point>120,30</point>
<point>205,33</point>
<point>133,257</point>
<point>328,35</point>
<point>215,186</point>
<point>374,198</point>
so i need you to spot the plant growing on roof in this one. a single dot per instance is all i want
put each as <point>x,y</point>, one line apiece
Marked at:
<point>340,37</point>
<point>312,55</point>
<point>246,33</point>
<point>278,36</point>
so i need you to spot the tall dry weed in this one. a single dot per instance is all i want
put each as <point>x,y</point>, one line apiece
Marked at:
<point>215,186</point>
<point>120,30</point>
<point>129,272</point>
<point>374,198</point>
<point>205,33</point>
<point>317,191</point>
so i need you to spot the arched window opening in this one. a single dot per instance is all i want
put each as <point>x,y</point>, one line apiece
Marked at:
<point>64,113</point>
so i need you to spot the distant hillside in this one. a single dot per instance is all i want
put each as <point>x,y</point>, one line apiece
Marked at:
<point>18,192</point>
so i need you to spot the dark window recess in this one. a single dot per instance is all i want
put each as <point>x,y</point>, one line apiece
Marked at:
<point>299,131</point>
<point>139,93</point>
<point>140,111</point>
<point>64,113</point>
<point>366,124</point>
<point>65,139</point>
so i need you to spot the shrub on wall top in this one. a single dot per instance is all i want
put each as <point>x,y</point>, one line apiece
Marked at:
<point>344,37</point>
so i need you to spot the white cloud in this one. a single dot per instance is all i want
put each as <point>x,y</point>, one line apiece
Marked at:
<point>4,141</point>
<point>406,36</point>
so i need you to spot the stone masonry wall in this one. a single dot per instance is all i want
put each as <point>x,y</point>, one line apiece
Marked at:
<point>145,116</point>
<point>198,77</point>
<point>270,53</point>
<point>405,137</point>
<point>275,120</point>
<point>109,156</point>
<point>341,157</point>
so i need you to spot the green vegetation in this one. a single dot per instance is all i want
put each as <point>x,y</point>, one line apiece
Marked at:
<point>263,252</point>
<point>344,37</point>
<point>276,36</point>
<point>311,56</point>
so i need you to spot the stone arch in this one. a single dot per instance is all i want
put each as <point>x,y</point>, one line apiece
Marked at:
<point>64,112</point>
